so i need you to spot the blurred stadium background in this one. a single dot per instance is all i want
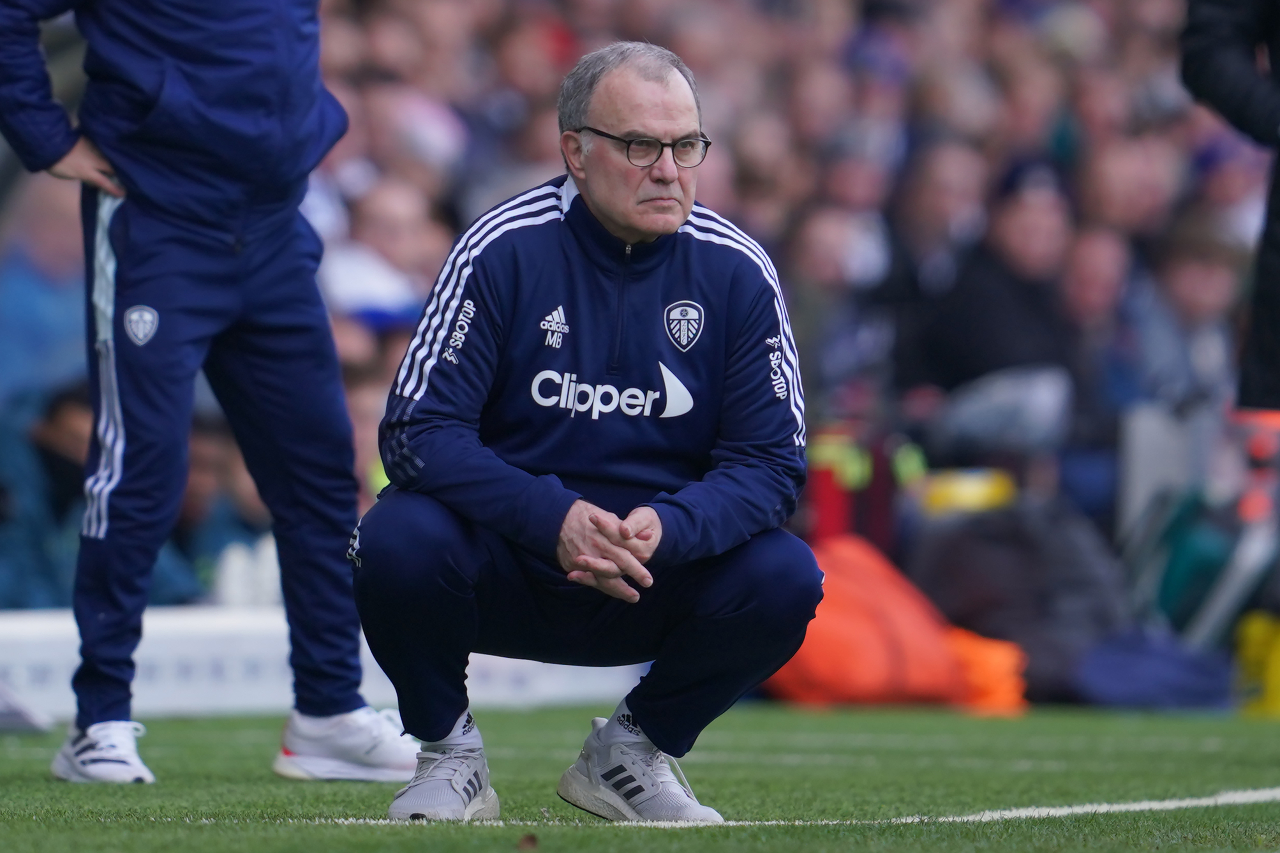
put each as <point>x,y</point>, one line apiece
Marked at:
<point>1015,253</point>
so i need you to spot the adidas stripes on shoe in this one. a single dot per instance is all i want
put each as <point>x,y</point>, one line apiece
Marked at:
<point>630,781</point>
<point>451,783</point>
<point>104,752</point>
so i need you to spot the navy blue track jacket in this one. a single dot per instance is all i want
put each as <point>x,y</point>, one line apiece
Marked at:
<point>554,362</point>
<point>209,109</point>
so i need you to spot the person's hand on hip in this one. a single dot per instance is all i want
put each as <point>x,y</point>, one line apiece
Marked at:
<point>85,163</point>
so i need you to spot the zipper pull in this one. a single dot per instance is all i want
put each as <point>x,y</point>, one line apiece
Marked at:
<point>628,256</point>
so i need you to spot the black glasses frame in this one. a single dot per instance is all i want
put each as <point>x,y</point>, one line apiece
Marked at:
<point>706,145</point>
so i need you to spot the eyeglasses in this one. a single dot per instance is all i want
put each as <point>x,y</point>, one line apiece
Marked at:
<point>644,151</point>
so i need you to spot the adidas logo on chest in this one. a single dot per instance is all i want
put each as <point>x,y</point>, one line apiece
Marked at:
<point>555,327</point>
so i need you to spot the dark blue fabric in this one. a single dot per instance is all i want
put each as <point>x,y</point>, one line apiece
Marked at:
<point>708,429</point>
<point>433,587</point>
<point>1145,669</point>
<point>207,110</point>
<point>247,309</point>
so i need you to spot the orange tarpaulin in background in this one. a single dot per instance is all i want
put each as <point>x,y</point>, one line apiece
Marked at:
<point>876,639</point>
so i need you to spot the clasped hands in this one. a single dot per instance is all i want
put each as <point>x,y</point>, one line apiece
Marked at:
<point>597,549</point>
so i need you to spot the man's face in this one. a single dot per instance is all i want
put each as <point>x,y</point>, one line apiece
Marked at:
<point>635,203</point>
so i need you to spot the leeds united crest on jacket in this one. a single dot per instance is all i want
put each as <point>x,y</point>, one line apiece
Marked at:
<point>684,323</point>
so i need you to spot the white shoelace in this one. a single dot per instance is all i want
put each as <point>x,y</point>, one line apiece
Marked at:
<point>661,766</point>
<point>454,760</point>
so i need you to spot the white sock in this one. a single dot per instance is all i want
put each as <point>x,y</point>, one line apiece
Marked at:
<point>465,733</point>
<point>621,728</point>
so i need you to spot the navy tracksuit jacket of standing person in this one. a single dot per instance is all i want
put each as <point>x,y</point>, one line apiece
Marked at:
<point>555,362</point>
<point>212,114</point>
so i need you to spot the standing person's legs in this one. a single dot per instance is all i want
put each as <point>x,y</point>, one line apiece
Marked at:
<point>276,373</point>
<point>155,297</point>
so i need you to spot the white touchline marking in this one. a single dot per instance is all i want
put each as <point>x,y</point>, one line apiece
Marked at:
<point>1225,798</point>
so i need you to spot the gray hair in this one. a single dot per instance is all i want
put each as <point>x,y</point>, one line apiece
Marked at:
<point>651,62</point>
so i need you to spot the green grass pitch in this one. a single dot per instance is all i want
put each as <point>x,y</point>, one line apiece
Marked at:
<point>758,763</point>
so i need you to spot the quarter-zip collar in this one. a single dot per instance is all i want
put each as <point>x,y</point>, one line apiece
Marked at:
<point>604,249</point>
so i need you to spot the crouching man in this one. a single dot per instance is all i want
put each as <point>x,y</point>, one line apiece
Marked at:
<point>593,440</point>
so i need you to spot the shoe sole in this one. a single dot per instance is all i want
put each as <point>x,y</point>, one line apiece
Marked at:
<point>310,768</point>
<point>577,790</point>
<point>484,807</point>
<point>65,768</point>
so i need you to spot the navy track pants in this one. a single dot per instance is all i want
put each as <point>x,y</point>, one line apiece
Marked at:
<point>432,587</point>
<point>166,298</point>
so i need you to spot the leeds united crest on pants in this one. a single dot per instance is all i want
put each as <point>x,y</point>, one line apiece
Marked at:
<point>140,323</point>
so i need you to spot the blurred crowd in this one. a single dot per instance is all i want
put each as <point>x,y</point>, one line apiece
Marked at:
<point>1002,227</point>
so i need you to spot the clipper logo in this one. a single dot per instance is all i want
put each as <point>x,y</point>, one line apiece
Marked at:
<point>684,323</point>
<point>555,327</point>
<point>140,323</point>
<point>563,390</point>
<point>458,336</point>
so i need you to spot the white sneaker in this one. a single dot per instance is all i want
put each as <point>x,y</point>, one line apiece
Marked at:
<point>451,784</point>
<point>104,752</point>
<point>630,782</point>
<point>364,745</point>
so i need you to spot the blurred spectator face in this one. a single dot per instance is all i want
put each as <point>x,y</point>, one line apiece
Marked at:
<point>635,203</point>
<point>858,183</point>
<point>645,20</point>
<point>66,431</point>
<point>527,62</point>
<point>1131,185</point>
<point>592,16</point>
<point>243,492</point>
<point>1102,105</point>
<point>821,100</point>
<point>716,181</point>
<point>208,455</point>
<point>1097,266</point>
<point>366,404</point>
<point>944,200</point>
<point>412,136</point>
<point>342,48</point>
<point>1033,100</point>
<point>958,98</point>
<point>394,46</point>
<point>698,36</point>
<point>1031,231</point>
<point>356,344</point>
<point>818,254</point>
<point>392,348</point>
<point>392,219</point>
<point>47,220</point>
<point>540,138</point>
<point>1201,290</point>
<point>354,144</point>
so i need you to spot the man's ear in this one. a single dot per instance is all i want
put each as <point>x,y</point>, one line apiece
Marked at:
<point>572,150</point>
